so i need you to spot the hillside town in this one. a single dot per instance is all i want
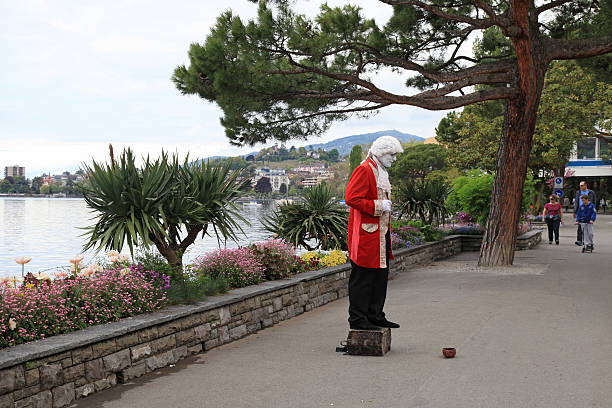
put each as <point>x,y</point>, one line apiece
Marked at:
<point>285,173</point>
<point>60,185</point>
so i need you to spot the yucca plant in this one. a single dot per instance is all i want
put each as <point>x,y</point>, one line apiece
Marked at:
<point>319,222</point>
<point>425,201</point>
<point>163,203</point>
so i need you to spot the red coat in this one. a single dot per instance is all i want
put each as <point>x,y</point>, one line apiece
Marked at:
<point>368,223</point>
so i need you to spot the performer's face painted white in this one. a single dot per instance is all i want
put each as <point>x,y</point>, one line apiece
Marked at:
<point>387,159</point>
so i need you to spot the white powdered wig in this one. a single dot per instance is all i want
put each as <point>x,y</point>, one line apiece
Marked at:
<point>381,146</point>
<point>385,145</point>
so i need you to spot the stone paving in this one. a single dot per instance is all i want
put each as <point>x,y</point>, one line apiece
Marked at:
<point>538,334</point>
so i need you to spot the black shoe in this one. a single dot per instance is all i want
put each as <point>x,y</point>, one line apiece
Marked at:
<point>386,323</point>
<point>549,242</point>
<point>556,242</point>
<point>364,325</point>
<point>579,243</point>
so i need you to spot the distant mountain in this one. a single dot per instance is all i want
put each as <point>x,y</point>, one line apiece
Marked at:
<point>345,144</point>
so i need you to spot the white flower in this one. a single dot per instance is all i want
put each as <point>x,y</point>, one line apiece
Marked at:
<point>42,276</point>
<point>113,254</point>
<point>12,324</point>
<point>124,258</point>
<point>124,271</point>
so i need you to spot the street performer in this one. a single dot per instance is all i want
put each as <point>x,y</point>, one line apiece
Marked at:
<point>368,196</point>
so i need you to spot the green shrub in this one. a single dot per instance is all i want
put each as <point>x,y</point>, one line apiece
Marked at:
<point>186,287</point>
<point>195,287</point>
<point>424,200</point>
<point>319,218</point>
<point>427,232</point>
<point>472,194</point>
<point>164,203</point>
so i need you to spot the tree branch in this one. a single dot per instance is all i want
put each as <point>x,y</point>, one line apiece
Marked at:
<point>192,234</point>
<point>551,5</point>
<point>490,67</point>
<point>575,49</point>
<point>500,21</point>
<point>330,112</point>
<point>496,78</point>
<point>480,23</point>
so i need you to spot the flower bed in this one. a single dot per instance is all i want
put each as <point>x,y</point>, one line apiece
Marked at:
<point>35,306</point>
<point>41,308</point>
<point>244,266</point>
<point>406,236</point>
<point>322,259</point>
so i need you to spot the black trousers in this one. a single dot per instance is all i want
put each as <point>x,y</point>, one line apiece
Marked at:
<point>368,292</point>
<point>553,227</point>
<point>579,234</point>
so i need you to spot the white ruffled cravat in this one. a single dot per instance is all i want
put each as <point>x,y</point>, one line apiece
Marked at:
<point>383,177</point>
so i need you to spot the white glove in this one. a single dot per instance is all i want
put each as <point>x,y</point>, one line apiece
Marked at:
<point>386,205</point>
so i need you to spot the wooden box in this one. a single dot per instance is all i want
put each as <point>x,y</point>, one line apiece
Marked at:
<point>368,342</point>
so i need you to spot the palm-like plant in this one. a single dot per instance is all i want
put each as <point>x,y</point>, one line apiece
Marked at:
<point>319,218</point>
<point>165,203</point>
<point>423,200</point>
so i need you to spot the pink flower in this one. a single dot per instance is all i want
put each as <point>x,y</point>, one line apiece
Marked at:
<point>76,259</point>
<point>60,274</point>
<point>22,260</point>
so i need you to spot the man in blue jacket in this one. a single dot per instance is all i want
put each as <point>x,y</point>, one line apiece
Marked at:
<point>585,216</point>
<point>592,198</point>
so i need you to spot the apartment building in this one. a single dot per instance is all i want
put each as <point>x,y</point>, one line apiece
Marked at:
<point>277,177</point>
<point>14,171</point>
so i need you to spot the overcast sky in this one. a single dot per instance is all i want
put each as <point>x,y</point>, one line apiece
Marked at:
<point>78,75</point>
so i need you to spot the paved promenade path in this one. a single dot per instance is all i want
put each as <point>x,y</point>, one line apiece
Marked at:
<point>538,334</point>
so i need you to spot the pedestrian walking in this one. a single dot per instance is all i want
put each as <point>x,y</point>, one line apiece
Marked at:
<point>602,204</point>
<point>577,203</point>
<point>585,217</point>
<point>566,203</point>
<point>553,216</point>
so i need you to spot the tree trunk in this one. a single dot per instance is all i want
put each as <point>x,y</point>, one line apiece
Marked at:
<point>172,255</point>
<point>499,240</point>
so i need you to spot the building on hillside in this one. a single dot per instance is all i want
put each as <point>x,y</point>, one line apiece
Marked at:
<point>431,140</point>
<point>14,171</point>
<point>306,170</point>
<point>277,177</point>
<point>316,180</point>
<point>310,182</point>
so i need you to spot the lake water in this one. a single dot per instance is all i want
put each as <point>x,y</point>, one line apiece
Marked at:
<point>48,230</point>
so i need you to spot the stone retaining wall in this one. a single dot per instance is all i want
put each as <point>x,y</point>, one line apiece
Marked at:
<point>525,241</point>
<point>56,371</point>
